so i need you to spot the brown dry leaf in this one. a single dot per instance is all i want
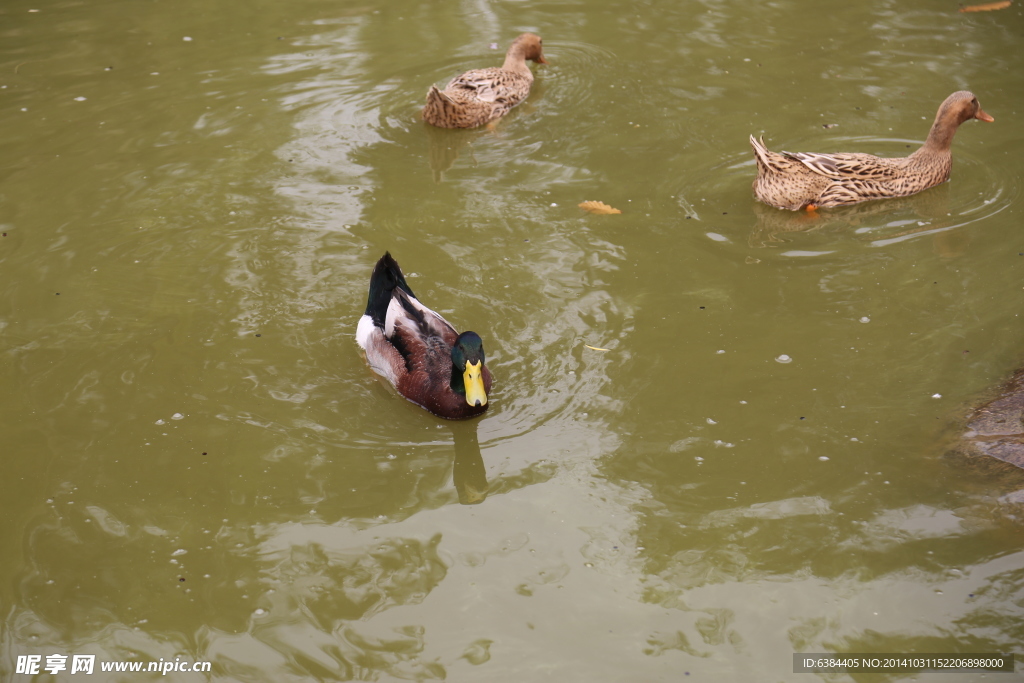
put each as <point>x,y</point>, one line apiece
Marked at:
<point>598,208</point>
<point>987,7</point>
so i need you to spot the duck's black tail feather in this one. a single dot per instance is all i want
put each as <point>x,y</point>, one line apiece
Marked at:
<point>386,276</point>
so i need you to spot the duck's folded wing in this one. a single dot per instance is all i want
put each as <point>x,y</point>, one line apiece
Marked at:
<point>487,85</point>
<point>415,318</point>
<point>845,166</point>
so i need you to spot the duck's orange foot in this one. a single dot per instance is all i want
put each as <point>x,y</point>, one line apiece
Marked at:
<point>811,207</point>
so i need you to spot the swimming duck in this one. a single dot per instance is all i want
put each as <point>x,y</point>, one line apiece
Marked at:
<point>796,180</point>
<point>483,95</point>
<point>418,351</point>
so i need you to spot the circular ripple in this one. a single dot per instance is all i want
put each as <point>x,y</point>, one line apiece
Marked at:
<point>577,74</point>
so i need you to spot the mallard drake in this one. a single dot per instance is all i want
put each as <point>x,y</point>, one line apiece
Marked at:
<point>418,351</point>
<point>483,95</point>
<point>797,180</point>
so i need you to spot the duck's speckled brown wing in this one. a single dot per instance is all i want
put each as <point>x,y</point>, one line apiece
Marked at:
<point>504,88</point>
<point>844,167</point>
<point>862,177</point>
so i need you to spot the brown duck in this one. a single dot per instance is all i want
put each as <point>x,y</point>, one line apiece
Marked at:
<point>797,180</point>
<point>483,95</point>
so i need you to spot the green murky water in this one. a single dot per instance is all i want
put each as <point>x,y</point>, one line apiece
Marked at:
<point>199,464</point>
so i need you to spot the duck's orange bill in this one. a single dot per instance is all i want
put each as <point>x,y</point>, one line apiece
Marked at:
<point>473,378</point>
<point>983,116</point>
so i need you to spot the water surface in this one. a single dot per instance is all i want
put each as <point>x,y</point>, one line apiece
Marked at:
<point>718,431</point>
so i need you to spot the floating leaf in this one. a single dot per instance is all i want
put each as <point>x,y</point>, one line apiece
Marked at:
<point>595,348</point>
<point>987,7</point>
<point>598,208</point>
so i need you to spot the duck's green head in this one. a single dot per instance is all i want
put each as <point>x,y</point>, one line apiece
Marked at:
<point>468,368</point>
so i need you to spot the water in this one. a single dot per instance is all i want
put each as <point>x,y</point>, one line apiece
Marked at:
<point>718,431</point>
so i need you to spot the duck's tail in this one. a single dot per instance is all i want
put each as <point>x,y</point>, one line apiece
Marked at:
<point>440,110</point>
<point>387,275</point>
<point>760,152</point>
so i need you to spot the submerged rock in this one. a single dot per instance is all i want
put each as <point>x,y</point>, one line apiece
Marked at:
<point>996,429</point>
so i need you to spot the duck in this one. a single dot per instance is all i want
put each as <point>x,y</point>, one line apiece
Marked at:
<point>418,351</point>
<point>481,96</point>
<point>798,180</point>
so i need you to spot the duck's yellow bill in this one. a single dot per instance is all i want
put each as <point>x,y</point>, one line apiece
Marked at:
<point>473,378</point>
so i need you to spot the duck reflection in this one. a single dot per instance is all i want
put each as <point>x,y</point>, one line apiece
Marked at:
<point>468,472</point>
<point>446,145</point>
<point>889,219</point>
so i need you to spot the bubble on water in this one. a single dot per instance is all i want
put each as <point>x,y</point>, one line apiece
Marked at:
<point>783,359</point>
<point>160,422</point>
<point>177,416</point>
<point>936,395</point>
<point>823,458</point>
<point>865,319</point>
